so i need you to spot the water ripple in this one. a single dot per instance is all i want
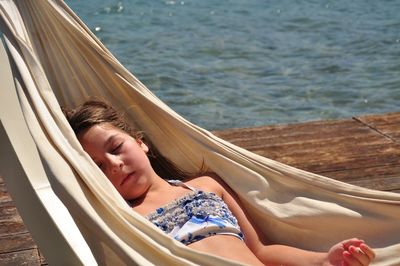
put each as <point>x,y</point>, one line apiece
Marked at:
<point>245,63</point>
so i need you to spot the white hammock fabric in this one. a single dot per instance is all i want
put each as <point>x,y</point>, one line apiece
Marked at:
<point>49,59</point>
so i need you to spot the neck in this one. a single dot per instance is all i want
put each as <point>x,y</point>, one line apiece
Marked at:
<point>156,187</point>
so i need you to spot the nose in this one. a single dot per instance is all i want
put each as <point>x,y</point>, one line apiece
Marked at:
<point>115,164</point>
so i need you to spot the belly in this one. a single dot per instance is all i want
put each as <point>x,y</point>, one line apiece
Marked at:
<point>228,247</point>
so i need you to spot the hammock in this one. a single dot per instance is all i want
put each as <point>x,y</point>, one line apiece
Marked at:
<point>50,58</point>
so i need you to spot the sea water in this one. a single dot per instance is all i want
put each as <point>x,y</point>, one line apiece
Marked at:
<point>241,63</point>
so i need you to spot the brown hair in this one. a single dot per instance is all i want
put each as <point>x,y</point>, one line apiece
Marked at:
<point>95,112</point>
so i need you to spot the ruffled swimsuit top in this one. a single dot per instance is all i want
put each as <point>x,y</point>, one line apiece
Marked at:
<point>195,216</point>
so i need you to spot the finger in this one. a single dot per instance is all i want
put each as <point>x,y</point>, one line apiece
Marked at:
<point>352,242</point>
<point>359,255</point>
<point>367,250</point>
<point>350,260</point>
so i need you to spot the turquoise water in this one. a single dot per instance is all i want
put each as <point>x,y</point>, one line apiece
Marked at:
<point>224,64</point>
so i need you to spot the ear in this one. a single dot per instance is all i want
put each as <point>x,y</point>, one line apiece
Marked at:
<point>142,145</point>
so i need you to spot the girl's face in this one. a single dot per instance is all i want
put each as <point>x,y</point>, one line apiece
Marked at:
<point>121,158</point>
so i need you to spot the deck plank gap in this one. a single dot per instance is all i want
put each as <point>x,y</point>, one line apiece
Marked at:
<point>375,129</point>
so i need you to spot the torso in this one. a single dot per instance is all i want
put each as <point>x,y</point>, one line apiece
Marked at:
<point>194,216</point>
<point>228,246</point>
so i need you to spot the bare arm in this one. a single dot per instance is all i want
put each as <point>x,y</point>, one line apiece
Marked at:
<point>349,252</point>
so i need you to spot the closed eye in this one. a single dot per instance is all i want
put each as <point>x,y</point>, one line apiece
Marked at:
<point>117,148</point>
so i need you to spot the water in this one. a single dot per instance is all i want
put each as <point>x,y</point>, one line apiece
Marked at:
<point>224,64</point>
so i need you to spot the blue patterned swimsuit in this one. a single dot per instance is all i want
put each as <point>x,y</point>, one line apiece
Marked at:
<point>195,216</point>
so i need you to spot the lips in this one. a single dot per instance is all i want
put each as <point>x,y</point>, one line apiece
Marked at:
<point>127,177</point>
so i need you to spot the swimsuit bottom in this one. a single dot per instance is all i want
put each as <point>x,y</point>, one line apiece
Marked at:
<point>195,216</point>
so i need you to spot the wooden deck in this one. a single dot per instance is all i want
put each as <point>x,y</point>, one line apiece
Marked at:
<point>364,151</point>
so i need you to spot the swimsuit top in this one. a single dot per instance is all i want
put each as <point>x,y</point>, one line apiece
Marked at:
<point>195,216</point>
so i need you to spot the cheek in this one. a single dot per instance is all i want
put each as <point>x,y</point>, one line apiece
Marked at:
<point>134,155</point>
<point>140,158</point>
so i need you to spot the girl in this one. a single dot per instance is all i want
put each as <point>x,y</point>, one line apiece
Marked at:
<point>199,210</point>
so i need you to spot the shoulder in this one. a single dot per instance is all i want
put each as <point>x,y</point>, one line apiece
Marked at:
<point>209,182</point>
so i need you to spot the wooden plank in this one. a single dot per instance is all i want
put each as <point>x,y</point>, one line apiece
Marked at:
<point>353,150</point>
<point>376,120</point>
<point>323,161</point>
<point>7,210</point>
<point>10,221</point>
<point>292,132</point>
<point>4,195</point>
<point>18,242</point>
<point>42,259</point>
<point>390,184</point>
<point>329,154</point>
<point>373,172</point>
<point>307,135</point>
<point>388,124</point>
<point>12,226</point>
<point>25,257</point>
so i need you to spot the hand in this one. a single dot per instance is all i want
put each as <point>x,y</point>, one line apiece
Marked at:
<point>351,252</point>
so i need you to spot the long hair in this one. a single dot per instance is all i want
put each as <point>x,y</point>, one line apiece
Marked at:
<point>94,112</point>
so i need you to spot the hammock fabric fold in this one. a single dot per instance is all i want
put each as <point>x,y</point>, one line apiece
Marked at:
<point>49,58</point>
